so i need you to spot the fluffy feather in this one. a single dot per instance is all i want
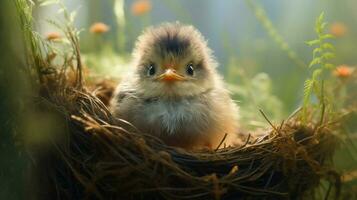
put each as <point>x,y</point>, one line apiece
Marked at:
<point>193,113</point>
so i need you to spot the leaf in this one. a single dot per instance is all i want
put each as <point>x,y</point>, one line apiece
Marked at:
<point>316,74</point>
<point>319,24</point>
<point>48,2</point>
<point>316,51</point>
<point>314,62</point>
<point>328,55</point>
<point>329,66</point>
<point>321,18</point>
<point>327,45</point>
<point>313,42</point>
<point>323,25</point>
<point>327,36</point>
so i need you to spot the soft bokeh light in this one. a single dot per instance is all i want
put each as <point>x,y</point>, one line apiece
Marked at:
<point>99,28</point>
<point>338,29</point>
<point>140,7</point>
<point>343,71</point>
<point>53,36</point>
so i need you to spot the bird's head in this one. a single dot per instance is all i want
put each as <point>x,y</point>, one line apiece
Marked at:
<point>173,60</point>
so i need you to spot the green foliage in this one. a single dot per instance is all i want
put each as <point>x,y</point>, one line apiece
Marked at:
<point>119,12</point>
<point>256,93</point>
<point>273,33</point>
<point>107,63</point>
<point>48,2</point>
<point>39,51</point>
<point>33,43</point>
<point>68,24</point>
<point>322,54</point>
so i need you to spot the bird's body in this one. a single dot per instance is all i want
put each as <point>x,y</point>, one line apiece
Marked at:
<point>174,91</point>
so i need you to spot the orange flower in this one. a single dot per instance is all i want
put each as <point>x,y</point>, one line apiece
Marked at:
<point>343,71</point>
<point>338,29</point>
<point>140,7</point>
<point>53,36</point>
<point>99,28</point>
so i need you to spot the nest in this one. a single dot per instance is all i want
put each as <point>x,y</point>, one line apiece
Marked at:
<point>97,156</point>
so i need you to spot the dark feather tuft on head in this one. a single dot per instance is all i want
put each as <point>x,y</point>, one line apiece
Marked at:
<point>172,42</point>
<point>172,39</point>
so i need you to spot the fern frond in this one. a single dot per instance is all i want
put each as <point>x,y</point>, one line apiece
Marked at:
<point>308,86</point>
<point>313,42</point>
<point>315,61</point>
<point>322,53</point>
<point>328,46</point>
<point>328,55</point>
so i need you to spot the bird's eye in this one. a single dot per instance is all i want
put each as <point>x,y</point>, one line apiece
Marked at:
<point>190,70</point>
<point>151,70</point>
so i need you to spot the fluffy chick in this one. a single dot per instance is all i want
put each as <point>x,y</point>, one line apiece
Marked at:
<point>174,90</point>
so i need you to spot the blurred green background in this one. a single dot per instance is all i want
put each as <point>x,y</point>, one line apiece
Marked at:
<point>242,44</point>
<point>260,46</point>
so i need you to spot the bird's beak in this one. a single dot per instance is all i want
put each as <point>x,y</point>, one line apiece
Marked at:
<point>170,75</point>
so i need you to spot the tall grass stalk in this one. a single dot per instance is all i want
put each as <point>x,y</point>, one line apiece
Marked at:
<point>267,24</point>
<point>119,12</point>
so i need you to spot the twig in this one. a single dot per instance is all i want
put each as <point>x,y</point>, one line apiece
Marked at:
<point>294,113</point>
<point>281,125</point>
<point>266,118</point>
<point>247,141</point>
<point>224,138</point>
<point>75,46</point>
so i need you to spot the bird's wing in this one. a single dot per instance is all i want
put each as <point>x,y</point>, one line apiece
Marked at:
<point>124,94</point>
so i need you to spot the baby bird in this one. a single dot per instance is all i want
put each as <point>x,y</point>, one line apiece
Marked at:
<point>174,90</point>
